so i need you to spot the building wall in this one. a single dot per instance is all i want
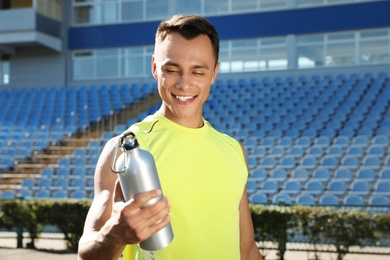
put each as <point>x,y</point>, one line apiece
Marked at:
<point>37,67</point>
<point>262,24</point>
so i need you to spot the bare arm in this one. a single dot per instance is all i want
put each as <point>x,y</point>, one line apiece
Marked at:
<point>248,247</point>
<point>111,222</point>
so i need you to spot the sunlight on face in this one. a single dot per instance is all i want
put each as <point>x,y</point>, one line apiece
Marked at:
<point>184,70</point>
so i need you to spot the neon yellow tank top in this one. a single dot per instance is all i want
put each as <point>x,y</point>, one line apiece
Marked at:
<point>203,173</point>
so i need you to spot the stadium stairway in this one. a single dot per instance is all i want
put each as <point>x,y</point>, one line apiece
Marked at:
<point>32,165</point>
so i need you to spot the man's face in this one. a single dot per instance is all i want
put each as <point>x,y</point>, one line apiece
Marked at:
<point>185,70</point>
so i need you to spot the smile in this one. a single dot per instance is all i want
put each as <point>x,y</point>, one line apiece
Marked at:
<point>184,98</point>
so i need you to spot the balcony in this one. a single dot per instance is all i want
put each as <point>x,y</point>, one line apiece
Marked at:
<point>26,28</point>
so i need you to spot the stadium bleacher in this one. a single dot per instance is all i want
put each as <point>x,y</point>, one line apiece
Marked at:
<point>318,140</point>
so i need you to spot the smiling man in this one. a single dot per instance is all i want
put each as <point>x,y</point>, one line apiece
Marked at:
<point>202,171</point>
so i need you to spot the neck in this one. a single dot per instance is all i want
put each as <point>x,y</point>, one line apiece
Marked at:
<point>189,122</point>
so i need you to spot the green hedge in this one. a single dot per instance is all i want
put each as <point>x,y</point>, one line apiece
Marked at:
<point>342,228</point>
<point>33,215</point>
<point>321,225</point>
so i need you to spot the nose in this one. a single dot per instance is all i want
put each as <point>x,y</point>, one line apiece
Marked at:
<point>184,81</point>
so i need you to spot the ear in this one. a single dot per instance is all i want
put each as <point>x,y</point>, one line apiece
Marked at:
<point>215,73</point>
<point>154,67</point>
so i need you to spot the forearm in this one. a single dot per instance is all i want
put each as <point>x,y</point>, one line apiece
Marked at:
<point>97,245</point>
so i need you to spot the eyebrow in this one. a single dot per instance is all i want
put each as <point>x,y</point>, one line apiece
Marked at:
<point>170,63</point>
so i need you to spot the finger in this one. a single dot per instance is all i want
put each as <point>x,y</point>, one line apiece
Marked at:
<point>157,211</point>
<point>159,225</point>
<point>118,194</point>
<point>143,198</point>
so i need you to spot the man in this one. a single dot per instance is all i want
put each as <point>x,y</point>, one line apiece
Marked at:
<point>202,172</point>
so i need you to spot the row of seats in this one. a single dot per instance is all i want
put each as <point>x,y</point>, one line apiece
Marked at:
<point>294,133</point>
<point>47,194</point>
<point>31,117</point>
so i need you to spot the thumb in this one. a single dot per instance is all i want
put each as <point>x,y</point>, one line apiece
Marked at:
<point>118,194</point>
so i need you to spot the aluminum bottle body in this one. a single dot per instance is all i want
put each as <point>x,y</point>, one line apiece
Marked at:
<point>141,176</point>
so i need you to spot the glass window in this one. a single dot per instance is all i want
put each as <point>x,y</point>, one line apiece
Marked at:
<point>310,56</point>
<point>133,62</point>
<point>341,36</point>
<point>273,4</point>
<point>310,38</point>
<point>84,14</point>
<point>340,54</point>
<point>189,7</point>
<point>374,34</point>
<point>107,67</point>
<point>4,70</point>
<point>132,11</point>
<point>83,69</point>
<point>244,5</point>
<point>273,58</point>
<point>157,9</point>
<point>216,7</point>
<point>372,52</point>
<point>109,12</point>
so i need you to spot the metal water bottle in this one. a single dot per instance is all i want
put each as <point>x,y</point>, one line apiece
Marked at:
<point>137,173</point>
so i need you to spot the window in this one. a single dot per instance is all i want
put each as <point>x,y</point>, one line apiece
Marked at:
<point>4,70</point>
<point>374,47</point>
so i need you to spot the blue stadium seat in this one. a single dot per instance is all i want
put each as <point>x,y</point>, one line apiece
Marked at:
<point>268,162</point>
<point>366,174</point>
<point>60,184</point>
<point>258,198</point>
<point>329,162</point>
<point>42,194</point>
<point>372,161</point>
<point>296,151</point>
<point>316,151</point>
<point>79,194</point>
<point>360,188</point>
<point>335,150</point>
<point>342,141</point>
<point>288,162</point>
<point>47,172</point>
<point>337,187</point>
<point>277,151</point>
<point>343,174</point>
<point>385,174</point>
<point>379,200</point>
<point>269,187</point>
<point>351,162</point>
<point>44,183</point>
<point>323,141</point>
<point>8,194</point>
<point>322,175</point>
<point>314,187</point>
<point>258,175</point>
<point>355,151</point>
<point>28,184</point>
<point>382,188</point>
<point>309,162</point>
<point>278,175</point>
<point>60,194</point>
<point>282,198</point>
<point>354,200</point>
<point>381,140</point>
<point>251,187</point>
<point>329,200</point>
<point>301,175</point>
<point>292,187</point>
<point>305,199</point>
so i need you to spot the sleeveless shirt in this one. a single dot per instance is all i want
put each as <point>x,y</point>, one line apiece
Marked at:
<point>203,173</point>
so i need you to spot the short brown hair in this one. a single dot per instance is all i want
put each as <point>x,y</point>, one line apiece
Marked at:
<point>189,26</point>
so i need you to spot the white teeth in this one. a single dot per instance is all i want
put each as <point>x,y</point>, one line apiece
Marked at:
<point>183,98</point>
